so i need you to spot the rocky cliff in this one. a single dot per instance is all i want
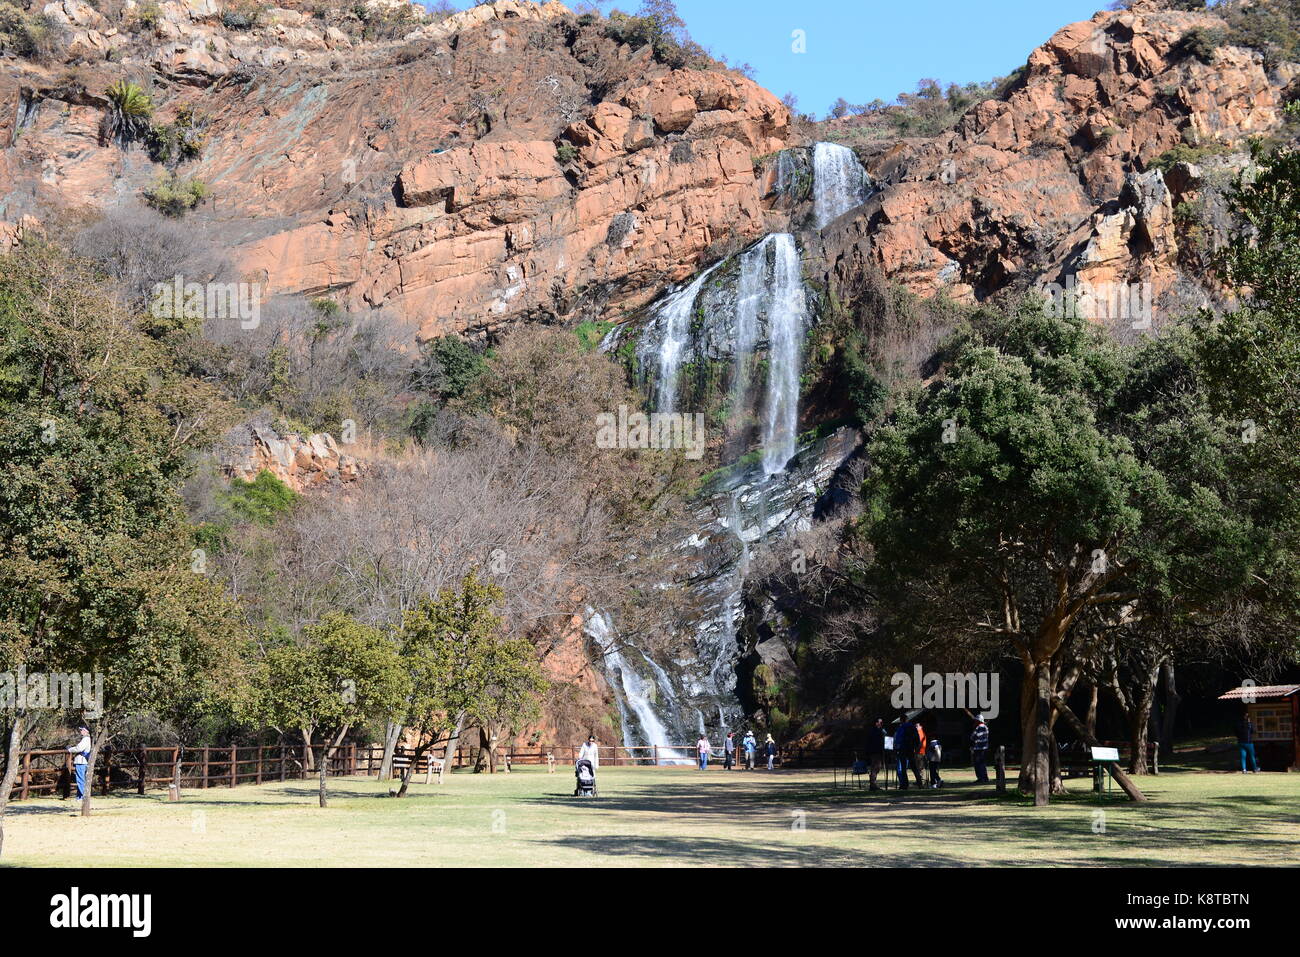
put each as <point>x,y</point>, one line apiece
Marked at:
<point>508,162</point>
<point>1056,175</point>
<point>516,162</point>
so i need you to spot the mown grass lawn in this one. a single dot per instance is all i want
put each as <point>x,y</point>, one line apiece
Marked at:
<point>668,816</point>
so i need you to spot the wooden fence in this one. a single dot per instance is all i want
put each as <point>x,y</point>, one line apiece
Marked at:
<point>48,772</point>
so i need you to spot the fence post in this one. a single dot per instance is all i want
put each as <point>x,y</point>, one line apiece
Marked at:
<point>103,774</point>
<point>27,773</point>
<point>282,762</point>
<point>207,757</point>
<point>656,757</point>
<point>261,753</point>
<point>234,765</point>
<point>1000,767</point>
<point>139,789</point>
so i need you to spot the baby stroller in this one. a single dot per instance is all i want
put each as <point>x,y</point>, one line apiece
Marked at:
<point>586,776</point>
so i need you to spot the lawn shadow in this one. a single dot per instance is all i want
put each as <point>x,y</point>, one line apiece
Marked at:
<point>719,852</point>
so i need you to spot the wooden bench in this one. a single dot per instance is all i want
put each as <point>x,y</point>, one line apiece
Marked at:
<point>428,763</point>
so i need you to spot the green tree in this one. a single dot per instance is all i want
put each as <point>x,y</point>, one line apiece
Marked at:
<point>463,668</point>
<point>1044,480</point>
<point>340,675</point>
<point>1252,355</point>
<point>97,568</point>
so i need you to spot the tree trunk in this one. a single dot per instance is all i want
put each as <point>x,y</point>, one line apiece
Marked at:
<point>308,757</point>
<point>12,747</point>
<point>452,742</point>
<point>176,770</point>
<point>392,734</point>
<point>420,750</point>
<point>96,742</point>
<point>322,769</point>
<point>1036,730</point>
<point>328,748</point>
<point>1140,722</point>
<point>1043,735</point>
<point>1028,728</point>
<point>1172,698</point>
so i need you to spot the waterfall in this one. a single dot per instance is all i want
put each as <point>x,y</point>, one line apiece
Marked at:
<point>770,288</point>
<point>839,182</point>
<point>787,321</point>
<point>637,693</point>
<point>672,319</point>
<point>759,310</point>
<point>750,299</point>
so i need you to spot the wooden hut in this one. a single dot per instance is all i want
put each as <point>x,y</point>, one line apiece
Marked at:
<point>1275,712</point>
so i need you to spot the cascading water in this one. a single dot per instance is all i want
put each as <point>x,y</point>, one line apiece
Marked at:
<point>759,309</point>
<point>667,338</point>
<point>787,321</point>
<point>636,692</point>
<point>839,182</point>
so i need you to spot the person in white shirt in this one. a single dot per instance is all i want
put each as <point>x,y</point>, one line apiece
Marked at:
<point>591,752</point>
<point>81,752</point>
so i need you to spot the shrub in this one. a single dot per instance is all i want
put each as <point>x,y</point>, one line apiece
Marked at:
<point>658,25</point>
<point>31,35</point>
<point>448,367</point>
<point>129,112</point>
<point>145,17</point>
<point>566,153</point>
<point>173,196</point>
<point>385,23</point>
<point>1183,153</point>
<point>242,15</point>
<point>182,139</point>
<point>262,500</point>
<point>1271,27</point>
<point>1200,42</point>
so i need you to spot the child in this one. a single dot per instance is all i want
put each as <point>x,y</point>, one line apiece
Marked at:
<point>933,757</point>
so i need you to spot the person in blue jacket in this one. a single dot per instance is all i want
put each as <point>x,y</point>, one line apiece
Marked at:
<point>904,745</point>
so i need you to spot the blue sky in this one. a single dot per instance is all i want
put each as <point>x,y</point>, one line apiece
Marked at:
<point>864,49</point>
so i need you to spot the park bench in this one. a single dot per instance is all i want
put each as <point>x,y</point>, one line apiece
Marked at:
<point>428,763</point>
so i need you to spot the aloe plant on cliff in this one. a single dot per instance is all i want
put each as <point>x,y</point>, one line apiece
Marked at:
<point>129,112</point>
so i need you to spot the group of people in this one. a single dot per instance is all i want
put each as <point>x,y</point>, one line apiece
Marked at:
<point>749,746</point>
<point>913,750</point>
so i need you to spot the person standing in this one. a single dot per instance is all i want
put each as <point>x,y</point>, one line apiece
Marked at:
<point>590,751</point>
<point>750,746</point>
<point>81,753</point>
<point>979,747</point>
<point>876,750</point>
<point>933,757</point>
<point>769,749</point>
<point>904,738</point>
<point>704,748</point>
<point>1246,742</point>
<point>729,751</point>
<point>918,754</point>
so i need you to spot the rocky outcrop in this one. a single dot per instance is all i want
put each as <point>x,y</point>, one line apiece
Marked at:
<point>1054,177</point>
<point>300,461</point>
<point>509,162</point>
